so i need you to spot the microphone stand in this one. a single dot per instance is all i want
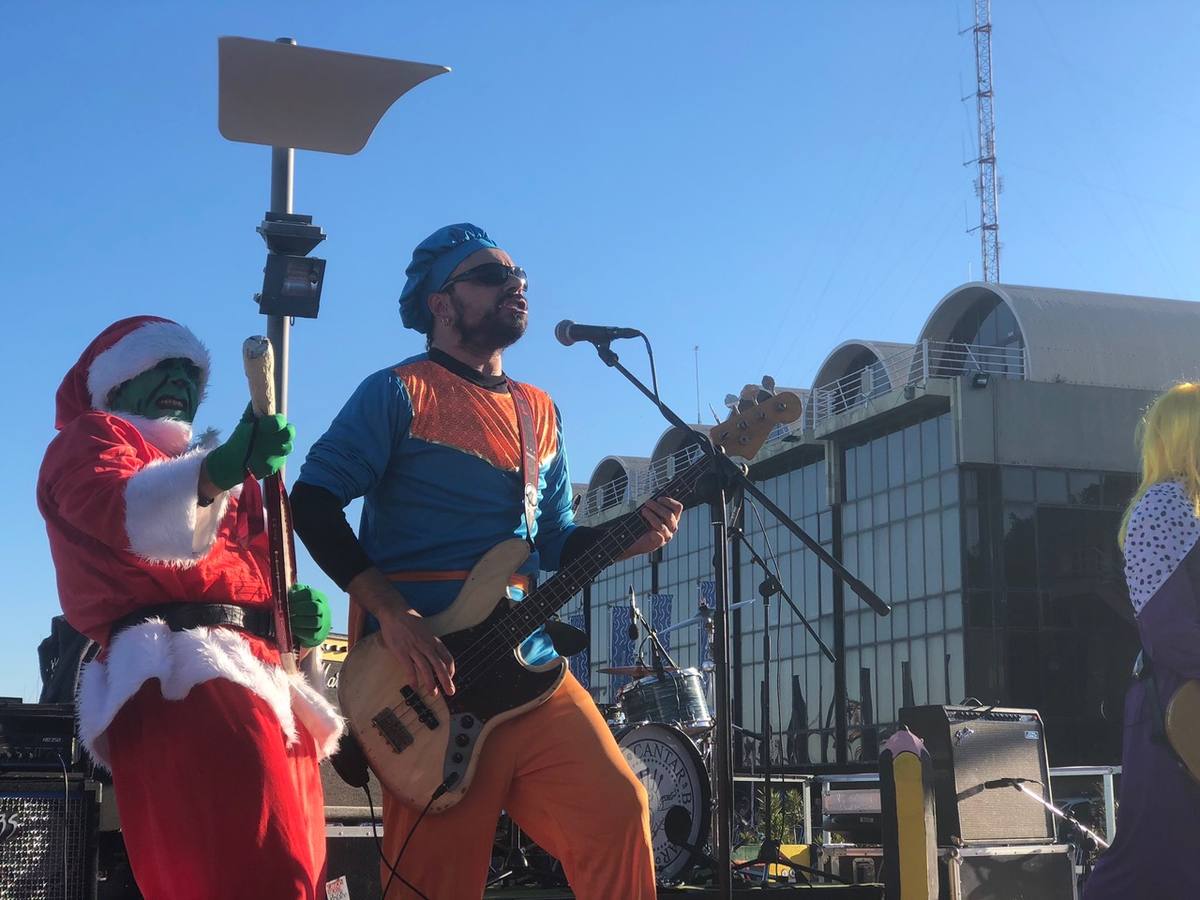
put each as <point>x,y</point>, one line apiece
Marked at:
<point>769,850</point>
<point>725,473</point>
<point>657,651</point>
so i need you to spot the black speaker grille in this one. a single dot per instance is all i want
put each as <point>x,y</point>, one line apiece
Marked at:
<point>37,830</point>
<point>999,750</point>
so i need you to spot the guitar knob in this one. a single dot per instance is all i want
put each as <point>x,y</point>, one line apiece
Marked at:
<point>462,740</point>
<point>468,721</point>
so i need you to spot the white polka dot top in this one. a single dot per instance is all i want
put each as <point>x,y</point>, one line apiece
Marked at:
<point>1162,530</point>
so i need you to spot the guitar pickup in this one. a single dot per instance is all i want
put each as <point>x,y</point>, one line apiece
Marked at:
<point>393,730</point>
<point>424,713</point>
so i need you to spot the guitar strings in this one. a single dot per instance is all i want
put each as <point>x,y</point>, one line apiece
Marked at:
<point>683,484</point>
<point>482,654</point>
<point>495,643</point>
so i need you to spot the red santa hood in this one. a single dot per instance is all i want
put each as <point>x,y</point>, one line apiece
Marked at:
<point>121,351</point>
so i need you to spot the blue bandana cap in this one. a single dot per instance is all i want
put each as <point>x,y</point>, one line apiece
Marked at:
<point>433,261</point>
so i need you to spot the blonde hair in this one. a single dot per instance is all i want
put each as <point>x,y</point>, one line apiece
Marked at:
<point>1169,439</point>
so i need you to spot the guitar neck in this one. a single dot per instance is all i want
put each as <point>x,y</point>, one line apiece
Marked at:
<point>541,605</point>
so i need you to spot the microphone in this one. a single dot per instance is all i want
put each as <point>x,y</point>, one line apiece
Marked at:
<point>632,631</point>
<point>569,333</point>
<point>1008,782</point>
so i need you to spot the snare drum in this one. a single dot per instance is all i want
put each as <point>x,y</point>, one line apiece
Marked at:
<point>676,698</point>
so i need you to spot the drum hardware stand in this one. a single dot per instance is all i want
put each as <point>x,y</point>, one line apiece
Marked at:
<point>726,473</point>
<point>516,864</point>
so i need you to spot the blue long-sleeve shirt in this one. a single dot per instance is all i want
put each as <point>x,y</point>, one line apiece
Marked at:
<point>435,453</point>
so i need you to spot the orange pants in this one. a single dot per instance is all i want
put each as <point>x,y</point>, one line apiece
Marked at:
<point>559,773</point>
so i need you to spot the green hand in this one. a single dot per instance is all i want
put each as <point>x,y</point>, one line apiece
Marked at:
<point>258,445</point>
<point>309,612</point>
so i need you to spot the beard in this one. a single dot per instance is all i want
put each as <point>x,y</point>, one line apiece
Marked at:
<point>496,329</point>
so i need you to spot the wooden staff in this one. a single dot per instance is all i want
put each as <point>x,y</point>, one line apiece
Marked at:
<point>259,361</point>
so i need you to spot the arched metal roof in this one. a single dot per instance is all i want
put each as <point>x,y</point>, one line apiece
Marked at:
<point>846,359</point>
<point>613,467</point>
<point>1086,337</point>
<point>841,360</point>
<point>674,439</point>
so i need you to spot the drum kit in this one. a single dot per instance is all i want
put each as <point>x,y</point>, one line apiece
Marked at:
<point>662,722</point>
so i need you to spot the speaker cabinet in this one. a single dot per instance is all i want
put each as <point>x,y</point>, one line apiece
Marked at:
<point>973,745</point>
<point>48,837</point>
<point>353,855</point>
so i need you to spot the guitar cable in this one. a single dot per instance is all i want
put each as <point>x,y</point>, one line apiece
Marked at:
<point>393,866</point>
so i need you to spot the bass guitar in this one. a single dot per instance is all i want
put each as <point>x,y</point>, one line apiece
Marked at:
<point>1182,719</point>
<point>424,748</point>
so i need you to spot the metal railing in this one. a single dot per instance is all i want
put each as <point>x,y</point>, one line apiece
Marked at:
<point>639,483</point>
<point>910,366</point>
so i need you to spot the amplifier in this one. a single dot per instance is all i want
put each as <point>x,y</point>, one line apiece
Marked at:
<point>1042,872</point>
<point>48,837</point>
<point>351,853</point>
<point>973,745</point>
<point>35,736</point>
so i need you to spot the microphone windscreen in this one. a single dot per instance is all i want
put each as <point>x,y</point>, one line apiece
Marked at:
<point>562,331</point>
<point>349,762</point>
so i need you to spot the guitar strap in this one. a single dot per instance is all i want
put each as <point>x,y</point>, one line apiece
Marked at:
<point>527,435</point>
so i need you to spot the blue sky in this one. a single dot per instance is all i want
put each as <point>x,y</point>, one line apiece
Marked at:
<point>761,179</point>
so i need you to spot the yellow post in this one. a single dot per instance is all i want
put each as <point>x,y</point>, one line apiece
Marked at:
<point>909,823</point>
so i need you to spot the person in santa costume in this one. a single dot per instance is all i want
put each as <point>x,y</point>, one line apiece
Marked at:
<point>161,557</point>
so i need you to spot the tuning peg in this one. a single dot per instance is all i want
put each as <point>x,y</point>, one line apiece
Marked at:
<point>768,384</point>
<point>731,402</point>
<point>748,397</point>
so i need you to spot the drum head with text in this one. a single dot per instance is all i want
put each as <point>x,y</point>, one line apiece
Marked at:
<point>670,768</point>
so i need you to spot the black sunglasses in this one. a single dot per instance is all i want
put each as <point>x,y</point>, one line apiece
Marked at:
<point>492,274</point>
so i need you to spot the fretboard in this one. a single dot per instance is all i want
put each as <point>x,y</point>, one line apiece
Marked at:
<point>541,605</point>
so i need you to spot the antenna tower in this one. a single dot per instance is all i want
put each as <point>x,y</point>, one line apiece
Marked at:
<point>986,185</point>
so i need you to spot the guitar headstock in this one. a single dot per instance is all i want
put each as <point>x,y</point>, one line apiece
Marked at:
<point>750,423</point>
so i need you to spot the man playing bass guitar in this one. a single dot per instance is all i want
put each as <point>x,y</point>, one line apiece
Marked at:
<point>434,445</point>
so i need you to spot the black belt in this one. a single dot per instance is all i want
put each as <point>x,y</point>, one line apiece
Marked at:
<point>258,621</point>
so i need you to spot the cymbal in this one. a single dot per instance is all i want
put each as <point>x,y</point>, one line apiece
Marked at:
<point>635,671</point>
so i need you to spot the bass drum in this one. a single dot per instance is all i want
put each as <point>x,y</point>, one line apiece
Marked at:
<point>671,770</point>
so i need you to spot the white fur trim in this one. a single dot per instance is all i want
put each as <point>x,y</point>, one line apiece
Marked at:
<point>142,349</point>
<point>180,660</point>
<point>171,436</point>
<point>163,521</point>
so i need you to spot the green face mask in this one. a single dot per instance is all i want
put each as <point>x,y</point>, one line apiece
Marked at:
<point>171,390</point>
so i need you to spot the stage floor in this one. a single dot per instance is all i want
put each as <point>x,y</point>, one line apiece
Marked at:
<point>848,892</point>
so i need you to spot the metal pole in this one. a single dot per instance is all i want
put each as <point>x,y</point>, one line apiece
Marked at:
<point>724,731</point>
<point>840,735</point>
<point>278,327</point>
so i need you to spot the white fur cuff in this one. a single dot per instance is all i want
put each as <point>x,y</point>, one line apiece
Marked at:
<point>182,659</point>
<point>163,521</point>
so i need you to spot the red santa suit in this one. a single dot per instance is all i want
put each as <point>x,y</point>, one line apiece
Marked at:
<point>213,747</point>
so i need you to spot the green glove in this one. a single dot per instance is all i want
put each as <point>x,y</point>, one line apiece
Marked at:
<point>309,612</point>
<point>259,445</point>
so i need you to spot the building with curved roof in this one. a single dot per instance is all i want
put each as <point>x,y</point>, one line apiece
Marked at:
<point>973,479</point>
<point>1077,337</point>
